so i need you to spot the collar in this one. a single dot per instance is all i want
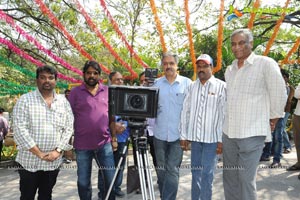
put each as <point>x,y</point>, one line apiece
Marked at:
<point>249,60</point>
<point>38,93</point>
<point>178,79</point>
<point>211,80</point>
<point>100,87</point>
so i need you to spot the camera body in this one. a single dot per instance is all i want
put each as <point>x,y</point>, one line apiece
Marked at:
<point>132,101</point>
<point>151,74</point>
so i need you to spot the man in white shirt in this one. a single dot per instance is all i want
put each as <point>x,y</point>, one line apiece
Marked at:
<point>256,96</point>
<point>201,124</point>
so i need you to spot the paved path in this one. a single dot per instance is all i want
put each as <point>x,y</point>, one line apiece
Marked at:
<point>272,184</point>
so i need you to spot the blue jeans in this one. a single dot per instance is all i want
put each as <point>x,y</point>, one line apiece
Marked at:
<point>105,161</point>
<point>203,164</point>
<point>277,140</point>
<point>285,137</point>
<point>168,158</point>
<point>267,150</point>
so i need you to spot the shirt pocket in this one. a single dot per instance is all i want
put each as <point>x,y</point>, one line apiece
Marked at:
<point>59,119</point>
<point>179,97</point>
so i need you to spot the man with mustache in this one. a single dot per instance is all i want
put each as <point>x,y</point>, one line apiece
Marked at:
<point>172,88</point>
<point>92,138</point>
<point>256,97</point>
<point>201,125</point>
<point>43,126</point>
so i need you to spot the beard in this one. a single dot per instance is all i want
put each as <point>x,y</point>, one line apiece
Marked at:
<point>91,82</point>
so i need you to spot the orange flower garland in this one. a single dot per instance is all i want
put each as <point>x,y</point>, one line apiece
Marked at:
<point>252,15</point>
<point>276,29</point>
<point>190,36</point>
<point>220,38</point>
<point>158,26</point>
<point>293,49</point>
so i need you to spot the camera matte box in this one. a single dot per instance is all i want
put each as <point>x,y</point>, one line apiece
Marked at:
<point>132,101</point>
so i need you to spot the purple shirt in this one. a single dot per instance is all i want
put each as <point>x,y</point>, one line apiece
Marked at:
<point>91,122</point>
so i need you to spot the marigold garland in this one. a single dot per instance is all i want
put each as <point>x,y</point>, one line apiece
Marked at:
<point>293,49</point>
<point>158,26</point>
<point>24,55</point>
<point>220,38</point>
<point>276,29</point>
<point>190,36</point>
<point>252,14</point>
<point>48,52</point>
<point>46,11</point>
<point>93,26</point>
<point>121,35</point>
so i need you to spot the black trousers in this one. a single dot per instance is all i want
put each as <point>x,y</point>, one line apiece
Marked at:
<point>43,181</point>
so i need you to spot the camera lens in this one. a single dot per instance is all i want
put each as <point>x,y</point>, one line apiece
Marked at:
<point>136,101</point>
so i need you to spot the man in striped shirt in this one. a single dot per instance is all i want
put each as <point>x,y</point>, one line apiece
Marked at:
<point>201,124</point>
<point>43,126</point>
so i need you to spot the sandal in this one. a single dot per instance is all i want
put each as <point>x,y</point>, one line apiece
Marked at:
<point>293,168</point>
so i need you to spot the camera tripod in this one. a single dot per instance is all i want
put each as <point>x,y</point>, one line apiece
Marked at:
<point>142,155</point>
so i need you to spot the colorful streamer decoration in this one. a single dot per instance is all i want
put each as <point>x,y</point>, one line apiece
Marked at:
<point>27,72</point>
<point>121,35</point>
<point>48,52</point>
<point>158,26</point>
<point>220,38</point>
<point>252,14</point>
<point>276,29</point>
<point>93,26</point>
<point>190,36</point>
<point>32,60</point>
<point>10,84</point>
<point>14,91</point>
<point>293,49</point>
<point>45,10</point>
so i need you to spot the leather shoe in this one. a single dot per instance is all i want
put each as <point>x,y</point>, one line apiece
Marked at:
<point>265,158</point>
<point>119,193</point>
<point>293,168</point>
<point>275,165</point>
<point>286,151</point>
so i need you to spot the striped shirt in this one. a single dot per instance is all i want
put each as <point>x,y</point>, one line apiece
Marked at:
<point>256,93</point>
<point>34,123</point>
<point>202,116</point>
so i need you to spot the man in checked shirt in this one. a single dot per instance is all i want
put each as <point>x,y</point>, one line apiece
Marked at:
<point>256,97</point>
<point>43,125</point>
<point>201,125</point>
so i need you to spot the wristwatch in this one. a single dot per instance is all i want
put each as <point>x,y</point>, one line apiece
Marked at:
<point>59,150</point>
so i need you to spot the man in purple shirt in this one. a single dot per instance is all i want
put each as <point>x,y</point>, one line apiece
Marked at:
<point>92,138</point>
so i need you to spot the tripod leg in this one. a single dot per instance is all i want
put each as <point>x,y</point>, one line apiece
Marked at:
<point>149,175</point>
<point>141,174</point>
<point>116,172</point>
